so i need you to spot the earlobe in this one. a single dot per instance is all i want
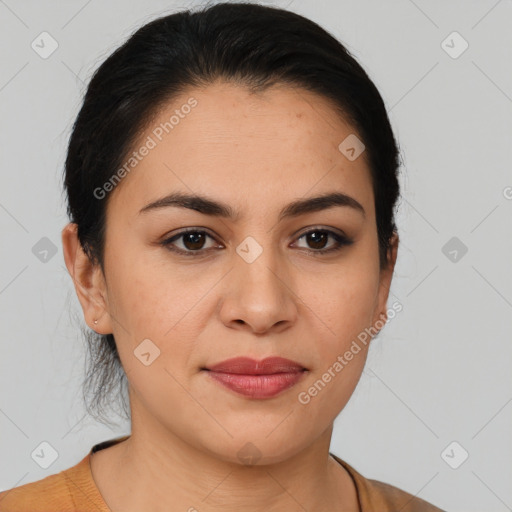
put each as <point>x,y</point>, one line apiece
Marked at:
<point>88,281</point>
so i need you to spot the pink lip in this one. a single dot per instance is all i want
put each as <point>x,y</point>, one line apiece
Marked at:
<point>257,379</point>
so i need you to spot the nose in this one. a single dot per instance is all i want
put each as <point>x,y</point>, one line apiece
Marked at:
<point>258,295</point>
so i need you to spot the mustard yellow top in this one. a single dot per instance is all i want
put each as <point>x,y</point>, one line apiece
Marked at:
<point>74,490</point>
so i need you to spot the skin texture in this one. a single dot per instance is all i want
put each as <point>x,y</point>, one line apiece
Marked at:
<point>257,153</point>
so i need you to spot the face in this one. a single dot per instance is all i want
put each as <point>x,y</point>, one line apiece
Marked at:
<point>253,284</point>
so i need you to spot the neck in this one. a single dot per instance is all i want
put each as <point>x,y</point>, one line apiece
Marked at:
<point>158,471</point>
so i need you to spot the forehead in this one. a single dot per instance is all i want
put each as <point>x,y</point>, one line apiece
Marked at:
<point>250,149</point>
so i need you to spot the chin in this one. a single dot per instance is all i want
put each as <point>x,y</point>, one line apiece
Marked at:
<point>256,450</point>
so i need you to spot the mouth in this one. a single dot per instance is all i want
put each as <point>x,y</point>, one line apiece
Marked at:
<point>257,379</point>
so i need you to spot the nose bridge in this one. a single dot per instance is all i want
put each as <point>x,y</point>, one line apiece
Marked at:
<point>257,266</point>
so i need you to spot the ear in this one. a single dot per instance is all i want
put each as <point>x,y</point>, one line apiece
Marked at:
<point>386,275</point>
<point>89,281</point>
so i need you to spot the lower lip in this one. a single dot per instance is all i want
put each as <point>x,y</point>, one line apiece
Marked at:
<point>257,386</point>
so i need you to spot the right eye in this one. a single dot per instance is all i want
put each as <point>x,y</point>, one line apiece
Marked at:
<point>192,241</point>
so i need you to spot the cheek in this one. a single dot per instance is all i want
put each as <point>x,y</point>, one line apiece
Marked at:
<point>168,307</point>
<point>341,302</point>
<point>151,296</point>
<point>341,309</point>
<point>339,352</point>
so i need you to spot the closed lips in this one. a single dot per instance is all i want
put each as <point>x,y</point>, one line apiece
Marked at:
<point>248,366</point>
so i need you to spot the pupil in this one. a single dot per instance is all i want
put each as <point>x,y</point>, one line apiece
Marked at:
<point>318,234</point>
<point>194,238</point>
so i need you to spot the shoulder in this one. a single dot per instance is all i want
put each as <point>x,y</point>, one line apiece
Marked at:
<point>392,498</point>
<point>50,493</point>
<point>376,495</point>
<point>54,492</point>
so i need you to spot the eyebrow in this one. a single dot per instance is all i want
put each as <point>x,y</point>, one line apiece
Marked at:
<point>207,206</point>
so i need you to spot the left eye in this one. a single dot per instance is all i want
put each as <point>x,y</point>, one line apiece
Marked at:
<point>193,241</point>
<point>319,237</point>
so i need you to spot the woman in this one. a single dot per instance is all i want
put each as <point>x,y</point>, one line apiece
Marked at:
<point>231,181</point>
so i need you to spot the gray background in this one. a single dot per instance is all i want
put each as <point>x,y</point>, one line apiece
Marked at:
<point>440,370</point>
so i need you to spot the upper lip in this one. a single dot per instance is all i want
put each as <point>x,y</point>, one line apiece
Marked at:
<point>248,366</point>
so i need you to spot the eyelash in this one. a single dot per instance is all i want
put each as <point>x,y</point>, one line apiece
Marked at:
<point>341,241</point>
